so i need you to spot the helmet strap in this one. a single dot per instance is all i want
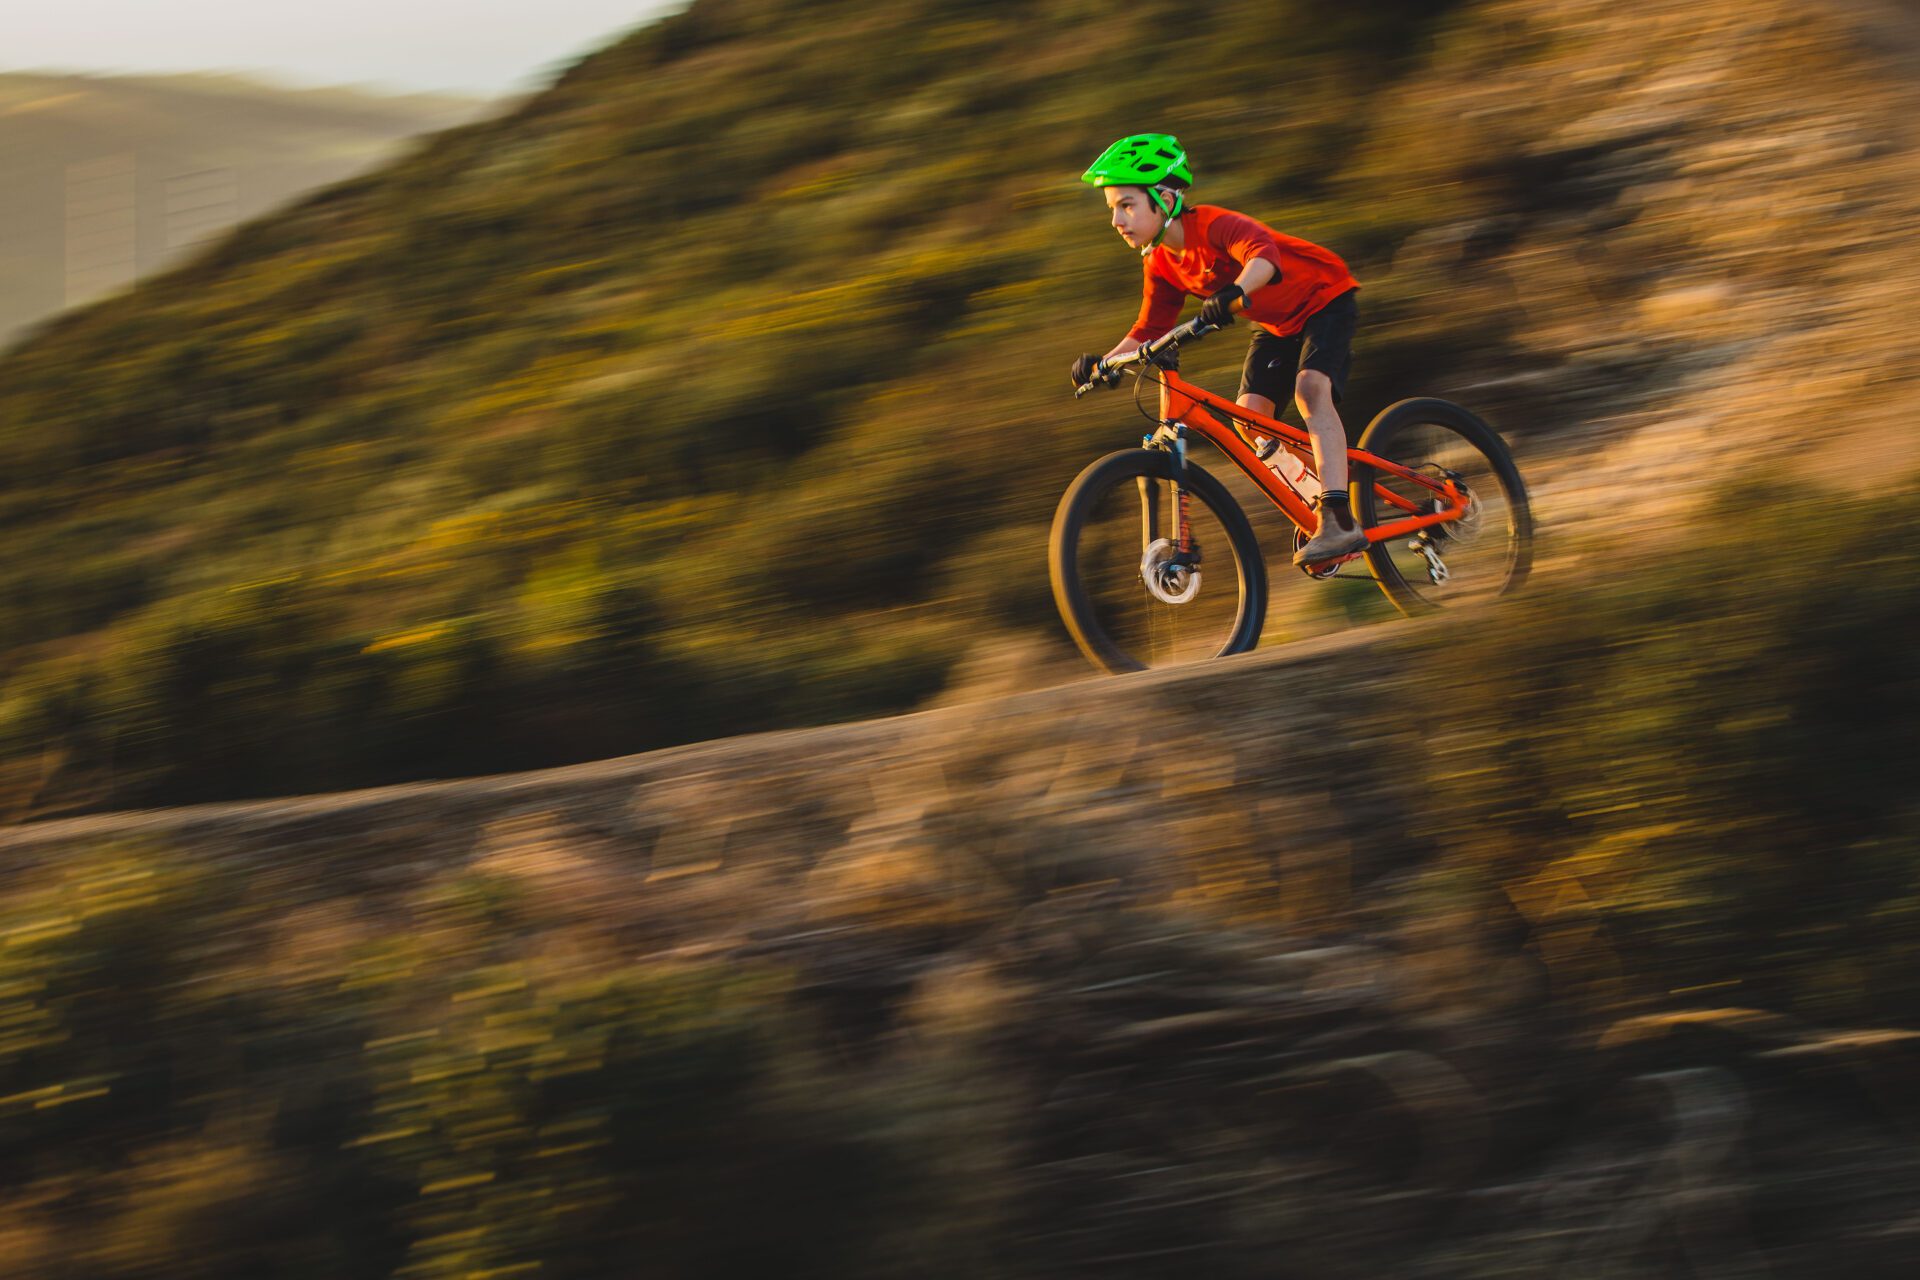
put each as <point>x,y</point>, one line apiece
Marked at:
<point>1167,215</point>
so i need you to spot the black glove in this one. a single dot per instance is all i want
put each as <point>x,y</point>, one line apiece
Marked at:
<point>1218,310</point>
<point>1083,369</point>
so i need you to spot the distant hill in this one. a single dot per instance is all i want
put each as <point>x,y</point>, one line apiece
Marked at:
<point>113,178</point>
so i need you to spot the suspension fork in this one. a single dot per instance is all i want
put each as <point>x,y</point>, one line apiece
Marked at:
<point>1180,526</point>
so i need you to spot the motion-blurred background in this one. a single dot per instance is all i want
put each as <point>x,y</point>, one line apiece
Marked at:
<point>110,179</point>
<point>720,385</point>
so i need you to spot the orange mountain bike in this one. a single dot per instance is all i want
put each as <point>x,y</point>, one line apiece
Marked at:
<point>1154,563</point>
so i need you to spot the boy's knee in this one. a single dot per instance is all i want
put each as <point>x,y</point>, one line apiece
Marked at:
<point>1314,388</point>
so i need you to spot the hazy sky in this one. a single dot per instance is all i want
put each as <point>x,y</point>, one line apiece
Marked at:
<point>488,46</point>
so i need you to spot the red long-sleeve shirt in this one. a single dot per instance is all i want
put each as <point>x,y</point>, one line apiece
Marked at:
<point>1219,243</point>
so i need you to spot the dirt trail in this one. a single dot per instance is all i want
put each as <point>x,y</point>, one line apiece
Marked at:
<point>1134,723</point>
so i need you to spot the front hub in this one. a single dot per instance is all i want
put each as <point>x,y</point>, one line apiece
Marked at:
<point>1171,578</point>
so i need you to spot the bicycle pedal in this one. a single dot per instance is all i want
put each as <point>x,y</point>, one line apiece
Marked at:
<point>1327,568</point>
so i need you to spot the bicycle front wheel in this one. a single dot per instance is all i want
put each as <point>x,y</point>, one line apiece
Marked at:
<point>1131,598</point>
<point>1484,554</point>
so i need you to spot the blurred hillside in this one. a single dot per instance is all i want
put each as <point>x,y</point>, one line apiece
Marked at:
<point>719,387</point>
<point>113,178</point>
<point>1580,944</point>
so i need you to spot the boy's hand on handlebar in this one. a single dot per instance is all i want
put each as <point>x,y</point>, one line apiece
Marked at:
<point>1088,368</point>
<point>1218,309</point>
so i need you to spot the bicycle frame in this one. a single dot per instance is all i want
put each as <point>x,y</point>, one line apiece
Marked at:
<point>1188,403</point>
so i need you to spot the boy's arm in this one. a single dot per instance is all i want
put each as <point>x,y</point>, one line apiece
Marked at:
<point>1246,241</point>
<point>1218,310</point>
<point>1257,274</point>
<point>1160,303</point>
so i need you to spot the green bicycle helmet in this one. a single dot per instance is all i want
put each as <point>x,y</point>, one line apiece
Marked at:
<point>1150,160</point>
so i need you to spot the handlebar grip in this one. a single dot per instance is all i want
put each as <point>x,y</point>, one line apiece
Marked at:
<point>1102,376</point>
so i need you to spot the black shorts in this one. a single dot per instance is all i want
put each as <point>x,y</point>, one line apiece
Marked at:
<point>1325,343</point>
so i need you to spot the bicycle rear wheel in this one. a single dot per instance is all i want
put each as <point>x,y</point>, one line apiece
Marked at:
<point>1129,598</point>
<point>1484,554</point>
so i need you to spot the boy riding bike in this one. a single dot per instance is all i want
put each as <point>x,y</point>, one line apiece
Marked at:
<point>1299,296</point>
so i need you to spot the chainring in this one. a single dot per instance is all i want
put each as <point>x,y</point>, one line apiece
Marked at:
<point>1326,568</point>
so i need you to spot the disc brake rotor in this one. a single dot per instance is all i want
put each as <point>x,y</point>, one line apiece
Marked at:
<point>1467,526</point>
<point>1168,580</point>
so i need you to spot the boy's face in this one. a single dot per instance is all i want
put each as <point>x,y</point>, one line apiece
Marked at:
<point>1134,215</point>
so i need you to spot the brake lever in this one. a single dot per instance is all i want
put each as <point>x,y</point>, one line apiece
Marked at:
<point>1102,377</point>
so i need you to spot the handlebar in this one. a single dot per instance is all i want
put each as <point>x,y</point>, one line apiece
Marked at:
<point>1105,370</point>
